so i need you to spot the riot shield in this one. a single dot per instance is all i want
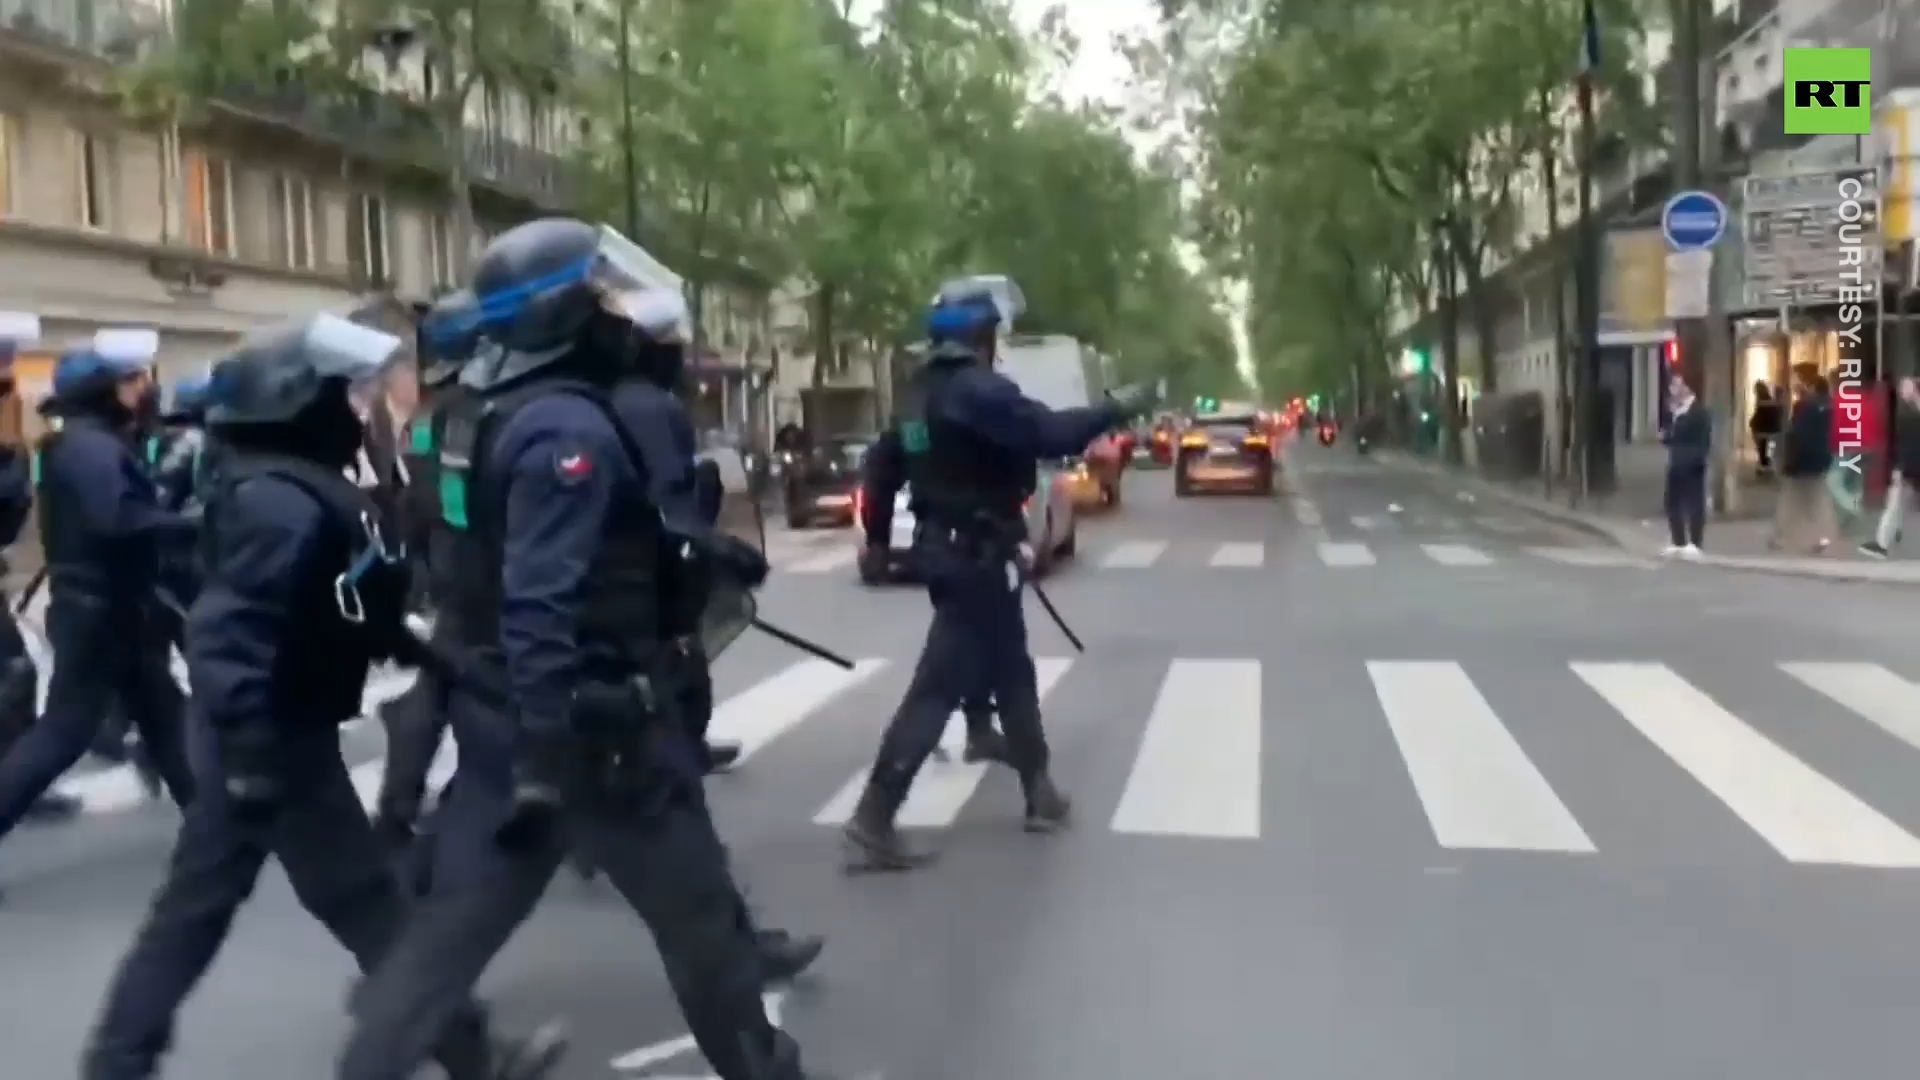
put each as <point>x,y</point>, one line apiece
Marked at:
<point>724,494</point>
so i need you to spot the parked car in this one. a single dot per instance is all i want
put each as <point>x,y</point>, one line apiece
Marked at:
<point>820,486</point>
<point>1051,530</point>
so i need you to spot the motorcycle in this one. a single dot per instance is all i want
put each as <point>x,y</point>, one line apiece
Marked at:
<point>1326,434</point>
<point>1361,444</point>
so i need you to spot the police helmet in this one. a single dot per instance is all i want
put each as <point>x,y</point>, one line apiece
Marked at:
<point>82,373</point>
<point>276,375</point>
<point>540,286</point>
<point>448,335</point>
<point>187,403</point>
<point>968,306</point>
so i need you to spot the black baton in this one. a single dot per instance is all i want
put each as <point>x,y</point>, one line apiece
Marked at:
<point>33,586</point>
<point>790,638</point>
<point>1053,613</point>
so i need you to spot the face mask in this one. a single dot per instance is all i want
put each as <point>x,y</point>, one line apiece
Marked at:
<point>338,437</point>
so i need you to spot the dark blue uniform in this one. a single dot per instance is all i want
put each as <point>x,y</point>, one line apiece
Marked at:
<point>102,530</point>
<point>971,442</point>
<point>883,475</point>
<point>559,474</point>
<point>662,432</point>
<point>19,682</point>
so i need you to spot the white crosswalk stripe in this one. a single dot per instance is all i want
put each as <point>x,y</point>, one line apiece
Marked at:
<point>1198,769</point>
<point>1244,556</point>
<point>1190,760</point>
<point>942,789</point>
<point>1456,555</point>
<point>1346,555</point>
<point>1133,555</point>
<point>1476,784</point>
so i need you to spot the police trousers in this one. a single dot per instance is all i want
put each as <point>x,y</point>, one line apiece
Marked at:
<point>103,653</point>
<point>655,843</point>
<point>337,868</point>
<point>976,650</point>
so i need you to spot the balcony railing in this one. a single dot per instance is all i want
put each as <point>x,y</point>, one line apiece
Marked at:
<point>113,29</point>
<point>382,125</point>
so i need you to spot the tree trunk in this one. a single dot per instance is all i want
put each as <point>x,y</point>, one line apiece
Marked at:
<point>824,354</point>
<point>1550,175</point>
<point>1444,265</point>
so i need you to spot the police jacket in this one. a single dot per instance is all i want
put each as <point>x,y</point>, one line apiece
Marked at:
<point>548,492</point>
<point>16,493</point>
<point>297,601</point>
<point>101,523</point>
<point>973,441</point>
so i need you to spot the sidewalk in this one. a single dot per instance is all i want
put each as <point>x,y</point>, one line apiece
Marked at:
<point>1633,518</point>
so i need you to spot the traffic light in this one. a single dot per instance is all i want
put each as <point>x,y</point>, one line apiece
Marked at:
<point>1415,362</point>
<point>1313,402</point>
<point>1205,404</point>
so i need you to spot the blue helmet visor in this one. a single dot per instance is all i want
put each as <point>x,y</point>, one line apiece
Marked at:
<point>617,266</point>
<point>997,294</point>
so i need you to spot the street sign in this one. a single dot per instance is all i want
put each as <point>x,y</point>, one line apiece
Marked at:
<point>1689,283</point>
<point>1693,221</point>
<point>1794,252</point>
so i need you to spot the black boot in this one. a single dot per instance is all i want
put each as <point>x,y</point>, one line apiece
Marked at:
<point>53,807</point>
<point>530,1057</point>
<point>721,756</point>
<point>873,844</point>
<point>986,745</point>
<point>784,956</point>
<point>1048,808</point>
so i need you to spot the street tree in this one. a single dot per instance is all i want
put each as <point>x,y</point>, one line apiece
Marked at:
<point>438,56</point>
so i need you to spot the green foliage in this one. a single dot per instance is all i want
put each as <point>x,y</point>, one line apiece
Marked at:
<point>872,161</point>
<point>1343,142</point>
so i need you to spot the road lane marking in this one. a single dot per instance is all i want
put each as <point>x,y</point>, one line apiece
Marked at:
<point>1197,772</point>
<point>1365,524</point>
<point>1477,786</point>
<point>1870,692</point>
<point>1306,513</point>
<point>771,707</point>
<point>941,790</point>
<point>1455,555</point>
<point>1133,555</point>
<point>1346,555</point>
<point>1800,813</point>
<point>1593,557</point>
<point>1243,556</point>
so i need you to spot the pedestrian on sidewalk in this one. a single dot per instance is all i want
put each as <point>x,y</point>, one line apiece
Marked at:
<point>1904,485</point>
<point>1804,507</point>
<point>1857,439</point>
<point>1764,427</point>
<point>1689,440</point>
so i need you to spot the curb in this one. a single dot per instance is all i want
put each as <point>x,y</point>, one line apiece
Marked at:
<point>1624,536</point>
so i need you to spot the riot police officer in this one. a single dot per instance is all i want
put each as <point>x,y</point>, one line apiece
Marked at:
<point>301,596</point>
<point>19,681</point>
<point>971,441</point>
<point>102,530</point>
<point>416,721</point>
<point>662,432</point>
<point>556,492</point>
<point>882,476</point>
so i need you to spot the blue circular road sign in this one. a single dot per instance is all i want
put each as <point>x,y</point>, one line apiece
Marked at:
<point>1693,221</point>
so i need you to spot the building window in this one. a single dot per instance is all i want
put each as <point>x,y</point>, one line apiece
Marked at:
<point>93,182</point>
<point>293,202</point>
<point>367,251</point>
<point>209,183</point>
<point>9,166</point>
<point>440,249</point>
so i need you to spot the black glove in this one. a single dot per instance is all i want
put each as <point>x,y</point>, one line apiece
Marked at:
<point>253,779</point>
<point>737,559</point>
<point>545,765</point>
<point>1129,402</point>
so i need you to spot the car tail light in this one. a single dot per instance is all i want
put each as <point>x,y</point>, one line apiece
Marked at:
<point>1160,437</point>
<point>1257,441</point>
<point>1193,442</point>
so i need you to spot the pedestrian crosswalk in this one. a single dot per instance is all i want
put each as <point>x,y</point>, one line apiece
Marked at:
<point>1452,754</point>
<point>1243,555</point>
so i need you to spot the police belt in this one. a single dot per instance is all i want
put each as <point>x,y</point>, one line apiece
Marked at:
<point>983,536</point>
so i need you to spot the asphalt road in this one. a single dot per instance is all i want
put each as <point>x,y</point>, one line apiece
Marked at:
<point>1431,791</point>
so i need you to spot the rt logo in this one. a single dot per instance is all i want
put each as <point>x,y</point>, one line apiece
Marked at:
<point>1828,91</point>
